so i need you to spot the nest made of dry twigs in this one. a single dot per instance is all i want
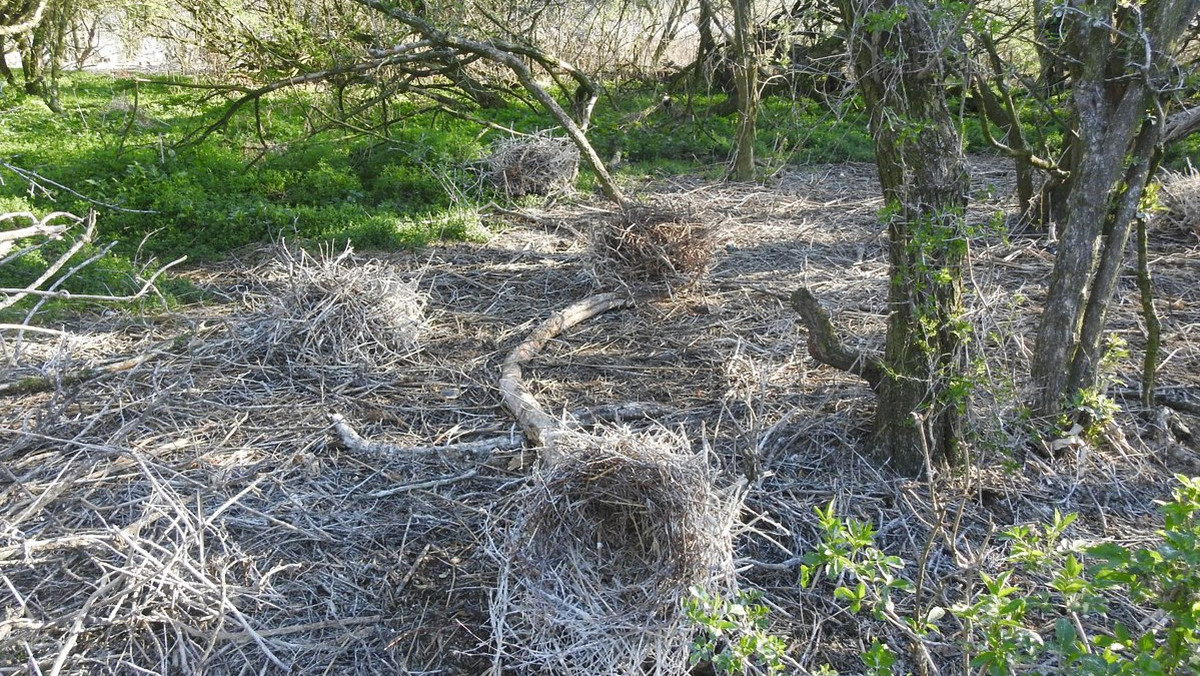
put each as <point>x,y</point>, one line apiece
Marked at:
<point>1181,197</point>
<point>539,164</point>
<point>605,544</point>
<point>653,242</point>
<point>330,311</point>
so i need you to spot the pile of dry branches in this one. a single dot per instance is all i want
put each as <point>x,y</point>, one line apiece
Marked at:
<point>604,545</point>
<point>328,310</point>
<point>1181,197</point>
<point>540,164</point>
<point>653,242</point>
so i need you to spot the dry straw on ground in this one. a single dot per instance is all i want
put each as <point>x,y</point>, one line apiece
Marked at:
<point>603,546</point>
<point>652,242</point>
<point>192,515</point>
<point>540,164</point>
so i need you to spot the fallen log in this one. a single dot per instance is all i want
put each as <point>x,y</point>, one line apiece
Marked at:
<point>540,427</point>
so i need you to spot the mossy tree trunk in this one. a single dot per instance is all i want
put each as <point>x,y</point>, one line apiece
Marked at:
<point>898,48</point>
<point>1120,70</point>
<point>745,78</point>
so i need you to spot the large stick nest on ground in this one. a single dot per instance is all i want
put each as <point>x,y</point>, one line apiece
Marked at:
<point>1181,198</point>
<point>605,544</point>
<point>332,311</point>
<point>652,242</point>
<point>540,164</point>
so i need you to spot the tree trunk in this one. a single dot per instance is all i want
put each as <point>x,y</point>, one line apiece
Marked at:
<point>745,78</point>
<point>1102,194</point>
<point>56,30</point>
<point>706,50</point>
<point>897,52</point>
<point>30,47</point>
<point>9,78</point>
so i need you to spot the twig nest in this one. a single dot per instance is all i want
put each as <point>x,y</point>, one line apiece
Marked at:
<point>606,543</point>
<point>1181,197</point>
<point>653,242</point>
<point>332,313</point>
<point>540,164</point>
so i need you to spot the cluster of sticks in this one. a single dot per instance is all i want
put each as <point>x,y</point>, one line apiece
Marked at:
<point>654,243</point>
<point>1181,197</point>
<point>539,164</point>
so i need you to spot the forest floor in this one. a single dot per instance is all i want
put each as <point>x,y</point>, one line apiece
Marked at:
<point>197,514</point>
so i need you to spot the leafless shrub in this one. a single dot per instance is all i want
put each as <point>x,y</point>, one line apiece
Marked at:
<point>1181,197</point>
<point>606,543</point>
<point>653,242</point>
<point>540,164</point>
<point>332,315</point>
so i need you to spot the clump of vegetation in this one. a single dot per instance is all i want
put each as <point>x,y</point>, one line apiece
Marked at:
<point>654,242</point>
<point>1061,606</point>
<point>540,164</point>
<point>733,634</point>
<point>1180,197</point>
<point>607,544</point>
<point>330,313</point>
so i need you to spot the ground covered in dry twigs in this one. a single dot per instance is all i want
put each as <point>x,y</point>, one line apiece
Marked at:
<point>195,513</point>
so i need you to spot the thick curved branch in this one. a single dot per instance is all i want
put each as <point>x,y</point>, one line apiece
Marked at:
<point>824,345</point>
<point>25,22</point>
<point>1182,124</point>
<point>538,425</point>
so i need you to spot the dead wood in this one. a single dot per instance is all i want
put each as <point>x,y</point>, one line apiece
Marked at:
<point>824,345</point>
<point>533,419</point>
<point>390,453</point>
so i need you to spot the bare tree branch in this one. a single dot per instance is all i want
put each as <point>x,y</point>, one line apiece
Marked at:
<point>826,347</point>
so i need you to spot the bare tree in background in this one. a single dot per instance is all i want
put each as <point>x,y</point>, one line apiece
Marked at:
<point>1121,69</point>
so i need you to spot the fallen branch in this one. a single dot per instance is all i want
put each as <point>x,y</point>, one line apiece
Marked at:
<point>824,345</point>
<point>34,384</point>
<point>393,453</point>
<point>533,419</point>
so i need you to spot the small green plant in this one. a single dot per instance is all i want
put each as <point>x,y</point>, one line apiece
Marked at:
<point>1048,613</point>
<point>848,554</point>
<point>733,634</point>
<point>1064,591</point>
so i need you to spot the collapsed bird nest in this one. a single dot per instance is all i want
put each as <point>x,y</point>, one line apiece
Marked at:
<point>653,242</point>
<point>606,543</point>
<point>1181,197</point>
<point>332,311</point>
<point>539,164</point>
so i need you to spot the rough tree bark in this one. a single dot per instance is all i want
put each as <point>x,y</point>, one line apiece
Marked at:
<point>1120,58</point>
<point>898,49</point>
<point>745,78</point>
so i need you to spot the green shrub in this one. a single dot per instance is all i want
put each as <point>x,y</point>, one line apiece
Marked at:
<point>732,634</point>
<point>1051,608</point>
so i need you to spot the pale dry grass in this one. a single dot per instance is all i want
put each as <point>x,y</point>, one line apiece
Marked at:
<point>194,514</point>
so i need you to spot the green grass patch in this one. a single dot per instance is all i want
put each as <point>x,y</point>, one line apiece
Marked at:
<point>118,148</point>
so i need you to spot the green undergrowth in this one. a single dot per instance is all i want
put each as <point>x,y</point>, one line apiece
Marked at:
<point>282,170</point>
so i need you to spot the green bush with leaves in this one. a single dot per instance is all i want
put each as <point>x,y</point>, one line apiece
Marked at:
<point>1051,611</point>
<point>732,634</point>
